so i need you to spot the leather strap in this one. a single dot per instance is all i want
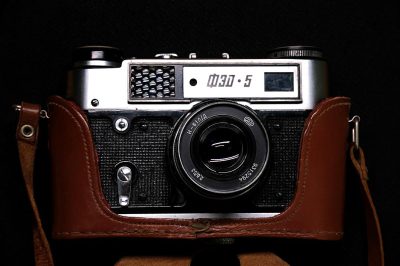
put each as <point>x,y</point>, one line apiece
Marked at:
<point>374,236</point>
<point>27,137</point>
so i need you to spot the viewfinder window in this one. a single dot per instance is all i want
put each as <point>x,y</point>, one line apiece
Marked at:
<point>278,81</point>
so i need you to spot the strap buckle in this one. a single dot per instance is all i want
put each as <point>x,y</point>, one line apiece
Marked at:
<point>355,131</point>
<point>43,113</point>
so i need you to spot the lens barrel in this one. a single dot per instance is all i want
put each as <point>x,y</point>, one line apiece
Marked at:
<point>219,150</point>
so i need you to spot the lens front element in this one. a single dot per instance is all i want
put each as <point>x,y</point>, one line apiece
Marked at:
<point>220,148</point>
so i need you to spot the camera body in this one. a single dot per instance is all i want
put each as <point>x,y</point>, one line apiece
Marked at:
<point>198,138</point>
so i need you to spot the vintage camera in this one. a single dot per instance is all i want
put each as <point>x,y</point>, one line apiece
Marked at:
<point>198,138</point>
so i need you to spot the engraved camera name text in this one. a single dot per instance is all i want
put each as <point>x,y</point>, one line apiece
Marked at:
<point>197,121</point>
<point>225,80</point>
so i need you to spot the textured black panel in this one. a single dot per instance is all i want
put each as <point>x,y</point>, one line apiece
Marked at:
<point>152,81</point>
<point>285,131</point>
<point>145,146</point>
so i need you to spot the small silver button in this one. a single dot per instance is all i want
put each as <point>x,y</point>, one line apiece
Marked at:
<point>121,124</point>
<point>225,55</point>
<point>166,55</point>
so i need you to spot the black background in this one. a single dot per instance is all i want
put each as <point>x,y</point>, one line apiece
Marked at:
<point>359,40</point>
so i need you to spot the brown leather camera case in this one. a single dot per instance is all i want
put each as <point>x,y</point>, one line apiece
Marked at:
<point>81,211</point>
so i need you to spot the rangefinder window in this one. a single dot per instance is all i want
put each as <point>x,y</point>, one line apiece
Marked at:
<point>278,82</point>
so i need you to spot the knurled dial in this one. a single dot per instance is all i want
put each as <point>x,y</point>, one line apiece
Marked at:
<point>296,52</point>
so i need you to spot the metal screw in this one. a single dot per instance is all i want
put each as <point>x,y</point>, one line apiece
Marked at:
<point>123,200</point>
<point>277,126</point>
<point>124,174</point>
<point>95,102</point>
<point>143,126</point>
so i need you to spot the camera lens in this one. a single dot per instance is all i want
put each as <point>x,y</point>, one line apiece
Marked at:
<point>219,150</point>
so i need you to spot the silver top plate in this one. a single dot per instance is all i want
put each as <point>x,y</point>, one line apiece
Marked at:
<point>110,86</point>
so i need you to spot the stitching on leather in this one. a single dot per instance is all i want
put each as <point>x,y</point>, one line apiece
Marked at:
<point>182,223</point>
<point>87,162</point>
<point>261,232</point>
<point>306,167</point>
<point>317,117</point>
<point>89,175</point>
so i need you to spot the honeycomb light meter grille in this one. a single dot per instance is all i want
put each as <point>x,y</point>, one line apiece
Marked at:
<point>152,82</point>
